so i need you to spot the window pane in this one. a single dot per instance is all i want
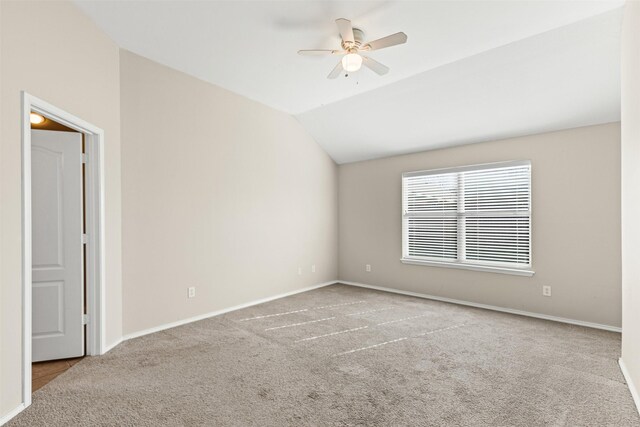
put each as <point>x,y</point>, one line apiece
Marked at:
<point>498,239</point>
<point>431,193</point>
<point>496,189</point>
<point>433,237</point>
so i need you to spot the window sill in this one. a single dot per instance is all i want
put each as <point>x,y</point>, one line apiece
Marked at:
<point>475,267</point>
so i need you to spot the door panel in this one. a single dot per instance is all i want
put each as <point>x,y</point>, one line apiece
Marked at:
<point>47,197</point>
<point>48,302</point>
<point>57,256</point>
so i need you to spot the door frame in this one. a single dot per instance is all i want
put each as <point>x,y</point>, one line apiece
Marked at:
<point>95,230</point>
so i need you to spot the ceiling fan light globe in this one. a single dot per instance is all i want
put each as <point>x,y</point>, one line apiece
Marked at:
<point>351,62</point>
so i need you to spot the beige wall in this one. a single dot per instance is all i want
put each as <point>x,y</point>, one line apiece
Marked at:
<point>220,193</point>
<point>51,50</point>
<point>575,221</point>
<point>631,193</point>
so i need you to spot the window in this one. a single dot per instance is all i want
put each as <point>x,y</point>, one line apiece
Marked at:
<point>474,217</point>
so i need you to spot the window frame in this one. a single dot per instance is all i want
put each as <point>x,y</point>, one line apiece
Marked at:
<point>461,262</point>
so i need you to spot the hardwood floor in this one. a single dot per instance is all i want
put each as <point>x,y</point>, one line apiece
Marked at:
<point>43,372</point>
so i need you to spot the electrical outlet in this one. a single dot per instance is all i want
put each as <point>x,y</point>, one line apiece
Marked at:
<point>367,268</point>
<point>299,271</point>
<point>313,268</point>
<point>192,292</point>
<point>546,291</point>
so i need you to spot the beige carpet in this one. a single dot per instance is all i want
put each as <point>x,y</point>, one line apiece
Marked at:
<point>347,356</point>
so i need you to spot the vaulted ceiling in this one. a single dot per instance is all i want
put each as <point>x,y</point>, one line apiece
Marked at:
<point>471,70</point>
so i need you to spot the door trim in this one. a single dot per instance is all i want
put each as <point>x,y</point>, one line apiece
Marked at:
<point>95,215</point>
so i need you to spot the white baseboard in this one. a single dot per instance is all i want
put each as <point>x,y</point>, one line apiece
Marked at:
<point>362,285</point>
<point>222,311</point>
<point>635,393</point>
<point>109,347</point>
<point>7,417</point>
<point>488,307</point>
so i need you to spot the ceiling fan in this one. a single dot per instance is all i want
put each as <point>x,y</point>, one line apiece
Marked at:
<point>352,47</point>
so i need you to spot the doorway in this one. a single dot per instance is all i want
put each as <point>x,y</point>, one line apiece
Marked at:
<point>58,227</point>
<point>63,239</point>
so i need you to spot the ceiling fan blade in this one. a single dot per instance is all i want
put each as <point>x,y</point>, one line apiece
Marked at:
<point>318,52</point>
<point>374,65</point>
<point>392,40</point>
<point>336,71</point>
<point>345,29</point>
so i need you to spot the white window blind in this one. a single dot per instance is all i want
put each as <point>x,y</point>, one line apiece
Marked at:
<point>469,216</point>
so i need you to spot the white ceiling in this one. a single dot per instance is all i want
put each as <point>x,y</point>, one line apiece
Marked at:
<point>470,71</point>
<point>561,79</point>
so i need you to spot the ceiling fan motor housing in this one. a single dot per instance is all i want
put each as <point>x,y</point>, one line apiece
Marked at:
<point>358,37</point>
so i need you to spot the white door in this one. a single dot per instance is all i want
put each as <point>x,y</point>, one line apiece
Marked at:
<point>57,258</point>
